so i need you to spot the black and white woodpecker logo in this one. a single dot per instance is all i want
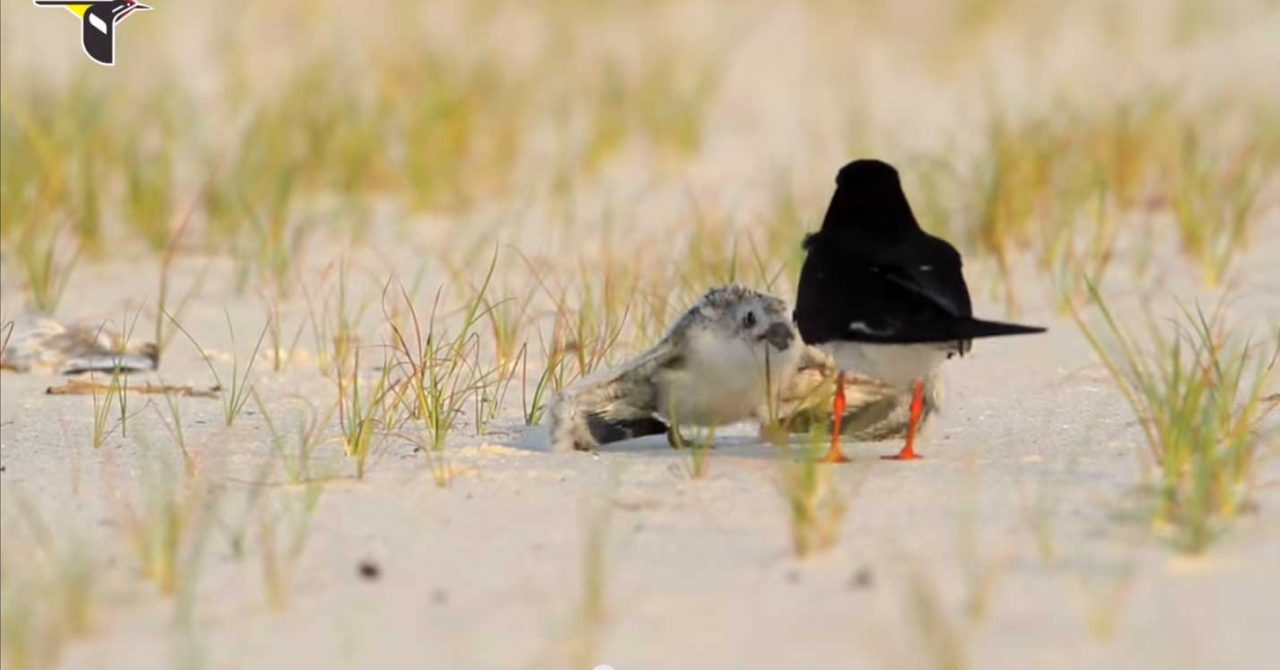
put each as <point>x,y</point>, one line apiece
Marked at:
<point>98,19</point>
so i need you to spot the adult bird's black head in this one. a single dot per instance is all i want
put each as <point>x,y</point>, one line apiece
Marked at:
<point>869,201</point>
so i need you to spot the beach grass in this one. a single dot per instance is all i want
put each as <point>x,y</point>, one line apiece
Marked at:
<point>1199,392</point>
<point>51,584</point>
<point>284,524</point>
<point>816,506</point>
<point>239,387</point>
<point>361,417</point>
<point>296,448</point>
<point>166,521</point>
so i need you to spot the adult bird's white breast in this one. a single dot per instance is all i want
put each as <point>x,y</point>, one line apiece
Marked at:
<point>897,365</point>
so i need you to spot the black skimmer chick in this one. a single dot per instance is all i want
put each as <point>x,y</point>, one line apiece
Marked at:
<point>887,299</point>
<point>723,362</point>
<point>40,343</point>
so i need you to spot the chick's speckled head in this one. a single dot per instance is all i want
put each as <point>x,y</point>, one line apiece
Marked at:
<point>742,313</point>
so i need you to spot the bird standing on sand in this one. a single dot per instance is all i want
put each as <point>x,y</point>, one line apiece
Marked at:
<point>724,361</point>
<point>885,298</point>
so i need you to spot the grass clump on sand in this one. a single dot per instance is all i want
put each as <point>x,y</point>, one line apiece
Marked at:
<point>166,522</point>
<point>438,377</point>
<point>697,450</point>
<point>944,638</point>
<point>46,266</point>
<point>49,588</point>
<point>815,504</point>
<point>296,449</point>
<point>284,525</point>
<point>241,382</point>
<point>590,619</point>
<point>363,414</point>
<point>1200,396</point>
<point>116,392</point>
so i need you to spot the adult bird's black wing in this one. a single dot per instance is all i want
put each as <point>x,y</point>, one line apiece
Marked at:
<point>911,290</point>
<point>872,275</point>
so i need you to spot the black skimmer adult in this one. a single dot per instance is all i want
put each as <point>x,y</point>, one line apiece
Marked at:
<point>887,299</point>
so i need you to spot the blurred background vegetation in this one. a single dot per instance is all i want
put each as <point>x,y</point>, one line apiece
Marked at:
<point>702,136</point>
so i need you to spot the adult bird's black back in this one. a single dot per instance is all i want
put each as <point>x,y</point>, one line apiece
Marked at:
<point>872,275</point>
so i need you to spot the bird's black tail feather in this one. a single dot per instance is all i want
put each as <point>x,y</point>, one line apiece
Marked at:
<point>606,430</point>
<point>972,329</point>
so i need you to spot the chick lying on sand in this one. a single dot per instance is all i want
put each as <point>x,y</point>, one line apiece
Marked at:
<point>39,343</point>
<point>723,362</point>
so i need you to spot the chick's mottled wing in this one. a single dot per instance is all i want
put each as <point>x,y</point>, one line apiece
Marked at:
<point>27,344</point>
<point>613,405</point>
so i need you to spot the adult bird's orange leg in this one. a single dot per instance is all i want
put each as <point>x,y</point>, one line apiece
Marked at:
<point>908,452</point>
<point>835,455</point>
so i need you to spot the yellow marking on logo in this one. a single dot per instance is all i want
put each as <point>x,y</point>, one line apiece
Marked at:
<point>78,10</point>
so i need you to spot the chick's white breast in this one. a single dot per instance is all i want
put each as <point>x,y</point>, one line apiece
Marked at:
<point>721,381</point>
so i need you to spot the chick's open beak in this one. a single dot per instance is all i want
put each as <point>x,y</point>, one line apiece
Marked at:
<point>780,335</point>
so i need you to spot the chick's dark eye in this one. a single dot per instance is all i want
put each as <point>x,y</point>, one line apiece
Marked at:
<point>749,321</point>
